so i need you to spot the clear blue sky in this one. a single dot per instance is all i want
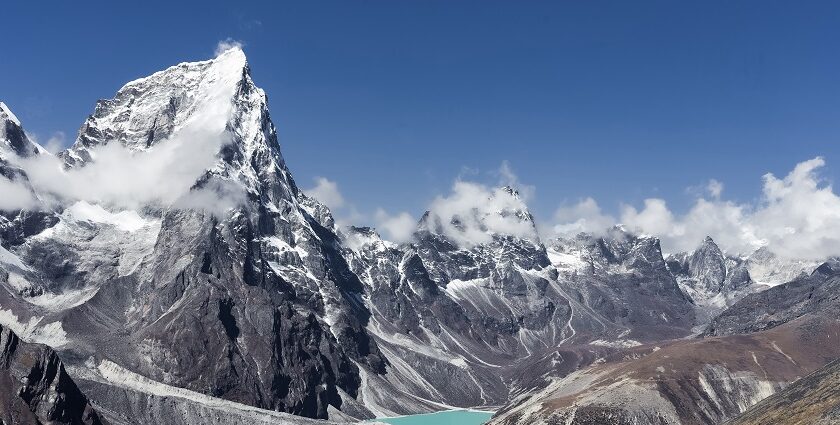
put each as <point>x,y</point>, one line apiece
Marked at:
<point>392,99</point>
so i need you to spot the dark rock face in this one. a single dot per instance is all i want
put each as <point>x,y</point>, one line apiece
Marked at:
<point>35,388</point>
<point>625,279</point>
<point>241,318</point>
<point>472,303</point>
<point>707,272</point>
<point>15,139</point>
<point>818,293</point>
<point>706,265</point>
<point>711,279</point>
<point>16,226</point>
<point>248,318</point>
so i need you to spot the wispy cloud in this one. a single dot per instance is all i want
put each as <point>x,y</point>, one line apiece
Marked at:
<point>54,144</point>
<point>398,227</point>
<point>166,175</point>
<point>15,196</point>
<point>227,44</point>
<point>326,191</point>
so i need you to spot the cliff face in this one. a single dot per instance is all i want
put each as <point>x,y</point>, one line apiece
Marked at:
<point>36,387</point>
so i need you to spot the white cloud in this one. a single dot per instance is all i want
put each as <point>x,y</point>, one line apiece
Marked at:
<point>53,145</point>
<point>128,179</point>
<point>507,177</point>
<point>217,196</point>
<point>227,44</point>
<point>398,228</point>
<point>164,175</point>
<point>326,191</point>
<point>15,196</point>
<point>715,188</point>
<point>654,218</point>
<point>472,212</point>
<point>585,216</point>
<point>797,217</point>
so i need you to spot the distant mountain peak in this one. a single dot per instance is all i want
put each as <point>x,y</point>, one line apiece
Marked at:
<point>511,191</point>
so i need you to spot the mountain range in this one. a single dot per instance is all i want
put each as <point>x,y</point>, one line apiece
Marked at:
<point>166,268</point>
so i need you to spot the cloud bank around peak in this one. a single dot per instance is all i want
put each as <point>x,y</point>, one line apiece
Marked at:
<point>469,214</point>
<point>172,173</point>
<point>472,212</point>
<point>15,196</point>
<point>797,216</point>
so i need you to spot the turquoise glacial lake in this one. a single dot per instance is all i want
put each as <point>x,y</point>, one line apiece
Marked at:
<point>451,417</point>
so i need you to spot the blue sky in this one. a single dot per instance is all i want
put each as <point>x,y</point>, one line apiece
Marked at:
<point>620,101</point>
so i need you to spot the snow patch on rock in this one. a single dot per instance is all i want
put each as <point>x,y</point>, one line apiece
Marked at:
<point>51,334</point>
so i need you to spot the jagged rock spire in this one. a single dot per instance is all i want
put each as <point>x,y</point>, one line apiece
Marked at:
<point>13,140</point>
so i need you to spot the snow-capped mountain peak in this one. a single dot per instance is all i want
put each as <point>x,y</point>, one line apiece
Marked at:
<point>707,265</point>
<point>474,216</point>
<point>197,134</point>
<point>194,98</point>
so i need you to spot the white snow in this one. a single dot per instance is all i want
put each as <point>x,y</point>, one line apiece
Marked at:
<point>128,220</point>
<point>6,257</point>
<point>51,334</point>
<point>565,261</point>
<point>5,110</point>
<point>119,376</point>
<point>619,343</point>
<point>767,268</point>
<point>18,282</point>
<point>456,285</point>
<point>65,300</point>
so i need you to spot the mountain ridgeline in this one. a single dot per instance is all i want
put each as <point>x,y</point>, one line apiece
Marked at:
<point>224,294</point>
